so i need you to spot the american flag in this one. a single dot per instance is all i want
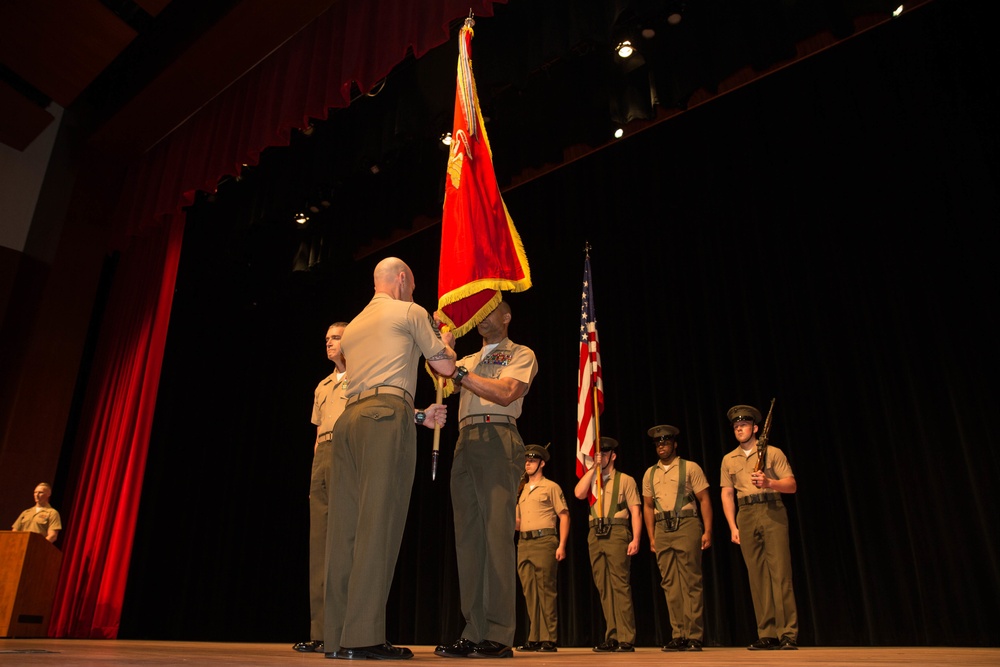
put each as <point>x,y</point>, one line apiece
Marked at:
<point>588,379</point>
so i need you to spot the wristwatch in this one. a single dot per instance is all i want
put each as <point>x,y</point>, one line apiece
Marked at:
<point>419,417</point>
<point>460,373</point>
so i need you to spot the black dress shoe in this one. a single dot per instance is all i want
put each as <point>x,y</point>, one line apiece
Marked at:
<point>491,649</point>
<point>384,651</point>
<point>460,649</point>
<point>548,647</point>
<point>625,647</point>
<point>693,645</point>
<point>529,646</point>
<point>606,647</point>
<point>788,644</point>
<point>309,647</point>
<point>675,644</point>
<point>764,644</point>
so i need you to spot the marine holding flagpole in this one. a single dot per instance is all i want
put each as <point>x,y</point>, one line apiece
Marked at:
<point>481,255</point>
<point>374,459</point>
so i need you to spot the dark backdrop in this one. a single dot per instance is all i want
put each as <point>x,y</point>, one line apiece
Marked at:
<point>826,236</point>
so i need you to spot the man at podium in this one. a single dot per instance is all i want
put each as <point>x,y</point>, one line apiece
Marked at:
<point>41,518</point>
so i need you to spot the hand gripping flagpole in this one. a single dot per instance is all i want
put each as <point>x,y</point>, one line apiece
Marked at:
<point>436,452</point>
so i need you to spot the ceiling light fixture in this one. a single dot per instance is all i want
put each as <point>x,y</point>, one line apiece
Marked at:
<point>625,49</point>
<point>301,218</point>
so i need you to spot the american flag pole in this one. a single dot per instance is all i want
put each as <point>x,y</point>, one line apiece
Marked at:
<point>590,390</point>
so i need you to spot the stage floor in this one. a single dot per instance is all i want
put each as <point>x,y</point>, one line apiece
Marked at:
<point>122,653</point>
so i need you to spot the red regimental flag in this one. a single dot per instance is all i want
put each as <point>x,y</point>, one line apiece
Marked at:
<point>589,386</point>
<point>481,252</point>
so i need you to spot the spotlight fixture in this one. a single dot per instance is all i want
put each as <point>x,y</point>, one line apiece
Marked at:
<point>446,138</point>
<point>897,11</point>
<point>625,49</point>
<point>301,218</point>
<point>619,132</point>
<point>675,11</point>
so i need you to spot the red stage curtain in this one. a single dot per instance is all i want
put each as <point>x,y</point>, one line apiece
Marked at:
<point>307,76</point>
<point>122,397</point>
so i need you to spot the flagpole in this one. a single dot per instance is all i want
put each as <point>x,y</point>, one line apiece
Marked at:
<point>597,423</point>
<point>436,452</point>
<point>597,448</point>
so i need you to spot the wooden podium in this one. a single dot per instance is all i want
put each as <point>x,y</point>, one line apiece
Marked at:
<point>29,572</point>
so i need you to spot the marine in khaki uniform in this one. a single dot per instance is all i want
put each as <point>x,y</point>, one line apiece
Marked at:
<point>328,405</point>
<point>612,541</point>
<point>42,518</point>
<point>761,529</point>
<point>678,515</point>
<point>488,462</point>
<point>543,525</point>
<point>374,457</point>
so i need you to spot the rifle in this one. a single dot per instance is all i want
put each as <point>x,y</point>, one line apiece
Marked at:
<point>762,441</point>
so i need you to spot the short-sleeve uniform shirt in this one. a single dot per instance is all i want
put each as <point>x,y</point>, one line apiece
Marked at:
<point>660,482</point>
<point>540,505</point>
<point>384,344</point>
<point>38,520</point>
<point>628,496</point>
<point>507,359</point>
<point>737,466</point>
<point>329,401</point>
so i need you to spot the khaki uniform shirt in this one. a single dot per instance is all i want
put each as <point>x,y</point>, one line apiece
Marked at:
<point>384,344</point>
<point>38,520</point>
<point>737,468</point>
<point>540,505</point>
<point>329,402</point>
<point>507,359</point>
<point>628,495</point>
<point>662,484</point>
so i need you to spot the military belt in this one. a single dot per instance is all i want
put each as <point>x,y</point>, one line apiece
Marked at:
<point>532,534</point>
<point>614,521</point>
<point>486,419</point>
<point>384,389</point>
<point>666,516</point>
<point>756,498</point>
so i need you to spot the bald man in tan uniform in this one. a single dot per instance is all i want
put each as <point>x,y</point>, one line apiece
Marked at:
<point>374,456</point>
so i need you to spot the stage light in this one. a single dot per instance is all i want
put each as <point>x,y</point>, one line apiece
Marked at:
<point>446,138</point>
<point>675,11</point>
<point>897,11</point>
<point>301,218</point>
<point>625,49</point>
<point>619,132</point>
